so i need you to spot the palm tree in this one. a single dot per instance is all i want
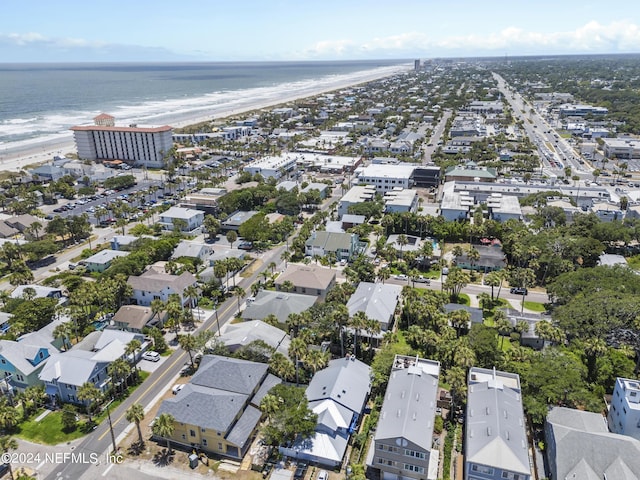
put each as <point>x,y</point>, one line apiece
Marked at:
<point>7,444</point>
<point>88,391</point>
<point>457,380</point>
<point>157,307</point>
<point>384,274</point>
<point>358,322</point>
<point>240,294</point>
<point>269,404</point>
<point>189,344</point>
<point>297,350</point>
<point>402,241</point>
<point>272,266</point>
<point>164,427</point>
<point>281,366</point>
<point>286,256</point>
<point>340,317</point>
<point>473,255</point>
<point>464,356</point>
<point>135,414</point>
<point>504,327</point>
<point>316,360</point>
<point>119,370</point>
<point>9,416</point>
<point>64,331</point>
<point>287,286</point>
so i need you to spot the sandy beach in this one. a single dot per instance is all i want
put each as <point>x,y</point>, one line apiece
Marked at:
<point>14,159</point>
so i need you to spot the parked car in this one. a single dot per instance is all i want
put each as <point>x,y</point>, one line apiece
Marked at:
<point>323,475</point>
<point>421,279</point>
<point>300,472</point>
<point>401,276</point>
<point>177,388</point>
<point>519,291</point>
<point>151,356</point>
<point>245,246</point>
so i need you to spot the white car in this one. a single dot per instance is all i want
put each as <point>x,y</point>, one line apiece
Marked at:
<point>401,276</point>
<point>151,356</point>
<point>177,388</point>
<point>323,475</point>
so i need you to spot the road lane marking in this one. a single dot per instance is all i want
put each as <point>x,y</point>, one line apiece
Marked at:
<point>101,437</point>
<point>104,474</point>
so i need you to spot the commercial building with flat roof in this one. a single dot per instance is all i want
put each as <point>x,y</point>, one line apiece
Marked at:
<point>401,200</point>
<point>387,177</point>
<point>272,167</point>
<point>355,195</point>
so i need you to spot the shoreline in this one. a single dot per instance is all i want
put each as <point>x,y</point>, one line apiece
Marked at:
<point>14,159</point>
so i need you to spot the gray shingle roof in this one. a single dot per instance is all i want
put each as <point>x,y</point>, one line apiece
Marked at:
<point>269,382</point>
<point>583,443</point>
<point>280,304</point>
<point>245,425</point>
<point>229,374</point>
<point>155,281</point>
<point>208,408</point>
<point>495,434</point>
<point>409,406</point>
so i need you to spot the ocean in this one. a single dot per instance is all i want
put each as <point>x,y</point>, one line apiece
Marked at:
<point>42,101</point>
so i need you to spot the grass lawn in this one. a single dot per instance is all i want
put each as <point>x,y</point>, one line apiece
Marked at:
<point>49,430</point>
<point>505,343</point>
<point>534,306</point>
<point>463,299</point>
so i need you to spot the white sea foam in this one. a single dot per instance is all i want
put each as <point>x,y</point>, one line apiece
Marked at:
<point>18,134</point>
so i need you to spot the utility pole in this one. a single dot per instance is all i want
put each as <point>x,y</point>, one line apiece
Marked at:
<point>113,437</point>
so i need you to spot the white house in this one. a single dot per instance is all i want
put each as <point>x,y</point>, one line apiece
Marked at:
<point>193,218</point>
<point>387,177</point>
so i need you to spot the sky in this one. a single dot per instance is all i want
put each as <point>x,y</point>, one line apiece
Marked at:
<point>294,30</point>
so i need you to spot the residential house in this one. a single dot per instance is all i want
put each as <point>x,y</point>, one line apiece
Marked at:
<point>496,445</point>
<point>31,227</point>
<point>38,291</point>
<point>307,279</point>
<point>21,363</point>
<point>88,361</point>
<point>491,258</point>
<point>529,337</point>
<point>280,304</point>
<point>237,335</point>
<point>350,221</point>
<point>4,322</point>
<point>624,411</point>
<point>322,243</point>
<point>102,260</point>
<point>134,318</point>
<point>579,445</point>
<point>218,410</point>
<point>154,284</point>
<point>338,395</point>
<point>236,219</point>
<point>404,435</point>
<point>378,301</point>
<point>196,250</point>
<point>192,219</point>
<point>475,313</point>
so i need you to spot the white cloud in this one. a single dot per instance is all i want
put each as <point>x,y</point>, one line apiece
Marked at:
<point>615,37</point>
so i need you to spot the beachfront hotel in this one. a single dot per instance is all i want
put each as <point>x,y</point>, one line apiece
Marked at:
<point>144,146</point>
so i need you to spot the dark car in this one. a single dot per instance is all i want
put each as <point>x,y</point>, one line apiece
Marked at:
<point>519,291</point>
<point>245,246</point>
<point>301,470</point>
